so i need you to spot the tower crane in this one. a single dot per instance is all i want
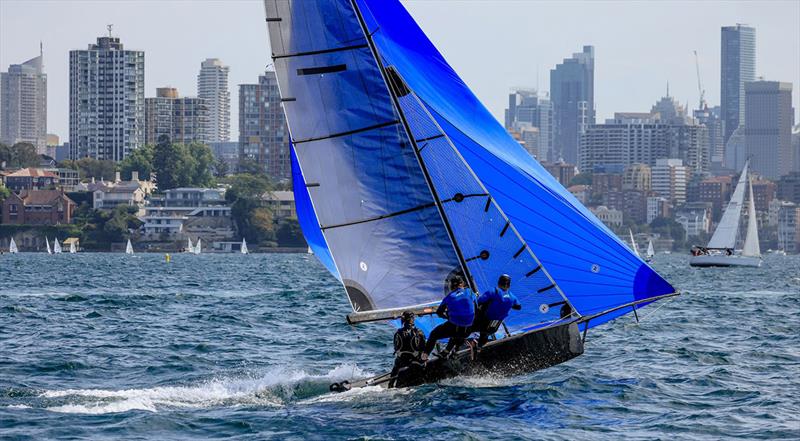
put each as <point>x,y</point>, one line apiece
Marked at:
<point>699,83</point>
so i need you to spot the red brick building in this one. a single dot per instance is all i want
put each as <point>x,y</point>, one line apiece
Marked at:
<point>31,179</point>
<point>38,207</point>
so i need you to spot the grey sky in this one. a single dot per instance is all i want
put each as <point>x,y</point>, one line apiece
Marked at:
<point>494,45</point>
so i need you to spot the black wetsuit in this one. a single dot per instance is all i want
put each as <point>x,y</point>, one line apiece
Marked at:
<point>408,346</point>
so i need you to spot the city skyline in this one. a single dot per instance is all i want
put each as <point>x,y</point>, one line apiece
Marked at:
<point>491,61</point>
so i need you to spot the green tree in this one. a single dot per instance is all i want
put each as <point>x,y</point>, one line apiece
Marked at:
<point>140,160</point>
<point>581,179</point>
<point>168,164</point>
<point>203,163</point>
<point>251,167</point>
<point>4,192</point>
<point>289,234</point>
<point>19,155</point>
<point>253,221</point>
<point>93,168</point>
<point>220,168</point>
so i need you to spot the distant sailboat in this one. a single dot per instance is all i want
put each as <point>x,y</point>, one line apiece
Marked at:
<point>634,247</point>
<point>197,248</point>
<point>190,247</point>
<point>72,249</point>
<point>47,242</point>
<point>129,248</point>
<point>650,252</point>
<point>244,246</point>
<point>56,247</point>
<point>720,250</point>
<point>12,247</point>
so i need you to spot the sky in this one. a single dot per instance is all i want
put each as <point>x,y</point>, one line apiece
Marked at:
<point>494,45</point>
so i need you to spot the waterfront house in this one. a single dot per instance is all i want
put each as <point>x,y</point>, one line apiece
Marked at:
<point>31,179</point>
<point>38,207</point>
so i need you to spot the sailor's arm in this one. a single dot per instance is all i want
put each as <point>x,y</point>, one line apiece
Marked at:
<point>441,311</point>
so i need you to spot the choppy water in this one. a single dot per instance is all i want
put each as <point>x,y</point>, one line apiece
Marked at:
<point>110,346</point>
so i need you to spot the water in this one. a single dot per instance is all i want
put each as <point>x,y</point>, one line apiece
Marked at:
<point>110,346</point>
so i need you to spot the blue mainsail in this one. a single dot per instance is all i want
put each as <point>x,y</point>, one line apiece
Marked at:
<point>411,178</point>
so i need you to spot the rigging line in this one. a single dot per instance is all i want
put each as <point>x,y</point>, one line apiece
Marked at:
<point>496,205</point>
<point>383,216</point>
<point>349,132</point>
<point>656,310</point>
<point>409,134</point>
<point>321,51</point>
<point>557,196</point>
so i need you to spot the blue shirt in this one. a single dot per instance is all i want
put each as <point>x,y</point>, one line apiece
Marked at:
<point>499,303</point>
<point>460,307</point>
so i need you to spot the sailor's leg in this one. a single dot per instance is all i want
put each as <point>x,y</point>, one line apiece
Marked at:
<point>394,373</point>
<point>438,333</point>
<point>457,337</point>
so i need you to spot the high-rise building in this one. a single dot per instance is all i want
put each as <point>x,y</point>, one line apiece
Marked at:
<point>23,104</point>
<point>106,100</point>
<point>572,97</point>
<point>632,138</point>
<point>738,66</point>
<point>529,110</point>
<point>768,127</point>
<point>183,120</point>
<point>263,133</point>
<point>669,178</point>
<point>212,86</point>
<point>710,117</point>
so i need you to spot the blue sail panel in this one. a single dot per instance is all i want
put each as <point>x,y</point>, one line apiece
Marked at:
<point>489,242</point>
<point>593,268</point>
<point>308,219</point>
<point>372,203</point>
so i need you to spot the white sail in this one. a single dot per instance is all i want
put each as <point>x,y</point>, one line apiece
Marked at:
<point>650,251</point>
<point>47,242</point>
<point>751,246</point>
<point>72,248</point>
<point>190,247</point>
<point>129,248</point>
<point>12,247</point>
<point>633,244</point>
<point>725,234</point>
<point>244,246</point>
<point>56,247</point>
<point>197,248</point>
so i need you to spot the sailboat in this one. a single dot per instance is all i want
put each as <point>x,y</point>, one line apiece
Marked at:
<point>47,242</point>
<point>634,247</point>
<point>12,247</point>
<point>197,248</point>
<point>189,246</point>
<point>56,247</point>
<point>720,250</point>
<point>72,248</point>
<point>243,249</point>
<point>129,248</point>
<point>403,179</point>
<point>651,252</point>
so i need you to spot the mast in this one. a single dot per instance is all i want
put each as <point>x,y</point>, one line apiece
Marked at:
<point>410,136</point>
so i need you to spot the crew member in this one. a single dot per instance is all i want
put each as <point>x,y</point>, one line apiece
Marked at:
<point>493,308</point>
<point>458,308</point>
<point>409,343</point>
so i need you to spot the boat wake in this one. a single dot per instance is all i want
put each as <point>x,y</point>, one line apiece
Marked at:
<point>276,388</point>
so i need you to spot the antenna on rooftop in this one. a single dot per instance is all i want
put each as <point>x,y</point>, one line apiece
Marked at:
<point>110,27</point>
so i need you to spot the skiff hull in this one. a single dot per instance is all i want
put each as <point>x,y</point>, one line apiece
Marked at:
<point>723,260</point>
<point>521,353</point>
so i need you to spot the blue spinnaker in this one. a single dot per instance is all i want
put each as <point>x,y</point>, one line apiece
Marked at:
<point>308,219</point>
<point>592,267</point>
<point>372,203</point>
